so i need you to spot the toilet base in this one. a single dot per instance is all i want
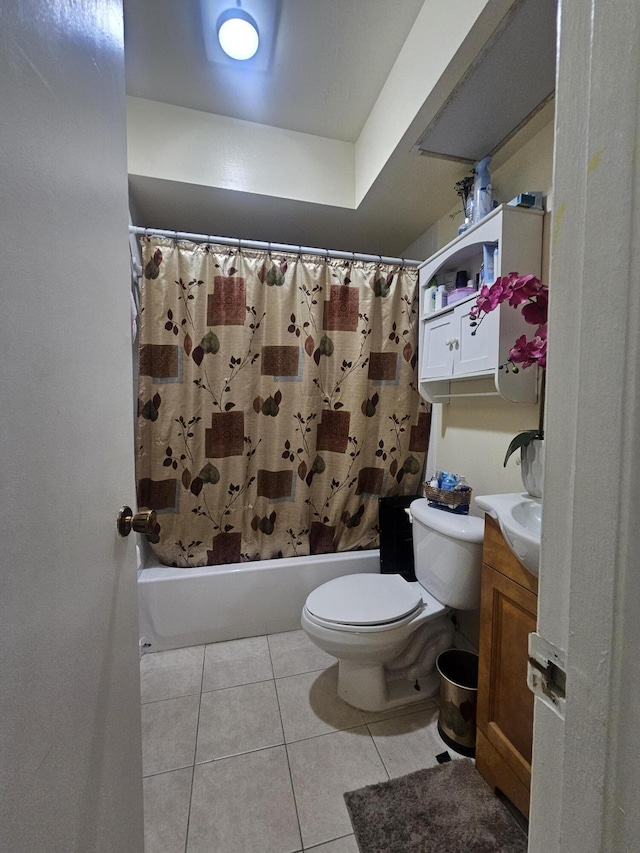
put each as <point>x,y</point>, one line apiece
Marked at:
<point>370,688</point>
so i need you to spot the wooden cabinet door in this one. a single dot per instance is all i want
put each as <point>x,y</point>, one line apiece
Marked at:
<point>505,703</point>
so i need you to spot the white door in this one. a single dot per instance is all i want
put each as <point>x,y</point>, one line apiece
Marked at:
<point>70,757</point>
<point>586,764</point>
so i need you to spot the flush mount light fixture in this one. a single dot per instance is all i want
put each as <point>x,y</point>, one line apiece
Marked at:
<point>238,34</point>
<point>258,17</point>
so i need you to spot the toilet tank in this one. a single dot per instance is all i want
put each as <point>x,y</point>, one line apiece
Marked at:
<point>447,551</point>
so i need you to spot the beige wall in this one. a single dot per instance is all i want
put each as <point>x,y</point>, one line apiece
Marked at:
<point>470,436</point>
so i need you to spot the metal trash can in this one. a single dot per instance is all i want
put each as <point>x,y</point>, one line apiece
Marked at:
<point>458,698</point>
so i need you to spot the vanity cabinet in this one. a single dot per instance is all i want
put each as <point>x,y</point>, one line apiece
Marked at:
<point>508,611</point>
<point>449,348</point>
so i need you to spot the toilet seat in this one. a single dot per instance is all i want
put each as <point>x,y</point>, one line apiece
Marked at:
<point>360,602</point>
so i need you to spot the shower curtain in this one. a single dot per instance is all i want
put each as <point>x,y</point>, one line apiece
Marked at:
<point>277,401</point>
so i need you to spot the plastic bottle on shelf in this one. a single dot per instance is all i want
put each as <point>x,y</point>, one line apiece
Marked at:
<point>430,298</point>
<point>488,263</point>
<point>441,297</point>
<point>482,190</point>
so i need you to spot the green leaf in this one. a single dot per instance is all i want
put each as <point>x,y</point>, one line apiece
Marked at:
<point>275,277</point>
<point>519,441</point>
<point>210,343</point>
<point>326,346</point>
<point>209,474</point>
<point>411,465</point>
<point>151,270</point>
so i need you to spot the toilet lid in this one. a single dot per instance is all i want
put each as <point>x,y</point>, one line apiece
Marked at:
<point>364,599</point>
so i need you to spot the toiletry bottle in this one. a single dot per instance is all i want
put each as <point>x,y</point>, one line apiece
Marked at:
<point>468,210</point>
<point>461,278</point>
<point>482,190</point>
<point>441,297</point>
<point>430,296</point>
<point>488,263</point>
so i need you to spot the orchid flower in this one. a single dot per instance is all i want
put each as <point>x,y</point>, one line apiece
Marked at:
<point>532,297</point>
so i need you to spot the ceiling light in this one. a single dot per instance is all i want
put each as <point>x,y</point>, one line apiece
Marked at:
<point>238,34</point>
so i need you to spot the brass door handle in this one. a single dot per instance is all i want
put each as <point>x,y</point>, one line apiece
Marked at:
<point>141,522</point>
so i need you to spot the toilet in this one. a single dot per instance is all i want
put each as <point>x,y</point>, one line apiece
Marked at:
<point>387,632</point>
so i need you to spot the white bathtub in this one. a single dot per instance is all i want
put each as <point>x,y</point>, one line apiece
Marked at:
<point>190,607</point>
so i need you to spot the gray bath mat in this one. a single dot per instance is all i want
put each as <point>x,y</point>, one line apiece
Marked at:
<point>444,809</point>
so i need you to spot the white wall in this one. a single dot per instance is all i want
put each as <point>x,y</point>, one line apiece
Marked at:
<point>471,436</point>
<point>192,147</point>
<point>439,30</point>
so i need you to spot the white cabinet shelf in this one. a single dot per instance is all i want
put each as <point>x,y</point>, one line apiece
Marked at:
<point>449,349</point>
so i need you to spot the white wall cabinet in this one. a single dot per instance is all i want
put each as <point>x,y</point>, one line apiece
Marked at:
<point>449,351</point>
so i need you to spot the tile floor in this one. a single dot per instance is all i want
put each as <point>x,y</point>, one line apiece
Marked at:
<point>248,749</point>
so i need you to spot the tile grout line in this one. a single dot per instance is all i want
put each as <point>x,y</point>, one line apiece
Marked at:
<point>195,748</point>
<point>169,698</point>
<point>373,741</point>
<point>400,712</point>
<point>322,843</point>
<point>286,750</point>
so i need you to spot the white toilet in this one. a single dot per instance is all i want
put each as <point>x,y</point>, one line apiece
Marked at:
<point>387,632</point>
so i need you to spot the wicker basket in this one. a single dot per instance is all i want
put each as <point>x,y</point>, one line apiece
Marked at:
<point>449,500</point>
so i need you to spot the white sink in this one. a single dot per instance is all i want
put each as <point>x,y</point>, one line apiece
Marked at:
<point>520,520</point>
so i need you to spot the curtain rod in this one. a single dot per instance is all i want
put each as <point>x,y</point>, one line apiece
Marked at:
<point>278,247</point>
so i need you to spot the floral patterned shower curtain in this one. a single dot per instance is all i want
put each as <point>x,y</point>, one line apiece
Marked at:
<point>277,401</point>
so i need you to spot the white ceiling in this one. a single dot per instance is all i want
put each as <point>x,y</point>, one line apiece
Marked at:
<point>329,63</point>
<point>330,60</point>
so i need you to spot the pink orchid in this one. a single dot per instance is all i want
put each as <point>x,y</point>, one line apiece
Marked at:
<point>524,288</point>
<point>535,311</point>
<point>488,298</point>
<point>528,292</point>
<point>526,352</point>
